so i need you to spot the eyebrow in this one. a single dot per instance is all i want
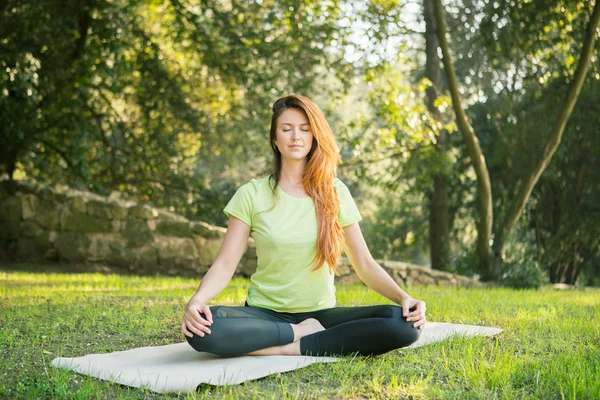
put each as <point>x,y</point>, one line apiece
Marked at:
<point>287,123</point>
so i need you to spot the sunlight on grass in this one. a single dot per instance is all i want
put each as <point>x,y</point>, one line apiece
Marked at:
<point>549,347</point>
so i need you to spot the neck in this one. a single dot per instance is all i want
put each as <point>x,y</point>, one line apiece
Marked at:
<point>292,171</point>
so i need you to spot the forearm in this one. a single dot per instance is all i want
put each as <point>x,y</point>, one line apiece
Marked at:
<point>216,279</point>
<point>375,277</point>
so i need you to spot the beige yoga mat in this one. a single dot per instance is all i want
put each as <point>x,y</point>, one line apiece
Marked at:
<point>180,368</point>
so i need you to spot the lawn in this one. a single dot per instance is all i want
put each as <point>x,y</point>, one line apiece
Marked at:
<point>549,348</point>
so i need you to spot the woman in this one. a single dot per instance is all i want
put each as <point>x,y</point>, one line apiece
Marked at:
<point>301,217</point>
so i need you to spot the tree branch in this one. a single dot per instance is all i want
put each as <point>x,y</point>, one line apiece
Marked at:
<point>525,188</point>
<point>484,188</point>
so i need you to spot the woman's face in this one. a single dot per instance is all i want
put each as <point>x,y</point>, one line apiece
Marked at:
<point>294,134</point>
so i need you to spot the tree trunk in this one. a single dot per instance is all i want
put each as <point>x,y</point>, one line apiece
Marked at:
<point>484,188</point>
<point>438,202</point>
<point>527,184</point>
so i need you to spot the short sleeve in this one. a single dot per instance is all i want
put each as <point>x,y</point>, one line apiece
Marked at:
<point>241,204</point>
<point>348,213</point>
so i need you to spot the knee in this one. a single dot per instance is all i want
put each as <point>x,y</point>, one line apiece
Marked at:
<point>403,332</point>
<point>210,342</point>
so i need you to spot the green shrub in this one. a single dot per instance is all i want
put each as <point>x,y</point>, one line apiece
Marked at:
<point>521,269</point>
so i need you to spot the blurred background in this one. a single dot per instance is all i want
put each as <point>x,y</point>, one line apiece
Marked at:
<point>168,102</point>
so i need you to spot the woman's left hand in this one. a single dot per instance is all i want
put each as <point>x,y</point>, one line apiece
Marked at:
<point>418,314</point>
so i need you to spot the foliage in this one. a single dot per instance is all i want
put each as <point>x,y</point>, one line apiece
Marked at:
<point>521,269</point>
<point>153,97</point>
<point>170,102</point>
<point>517,60</point>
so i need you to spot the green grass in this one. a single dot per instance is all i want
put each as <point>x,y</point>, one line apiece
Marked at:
<point>549,348</point>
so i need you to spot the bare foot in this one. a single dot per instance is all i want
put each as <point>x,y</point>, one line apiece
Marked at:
<point>290,349</point>
<point>306,327</point>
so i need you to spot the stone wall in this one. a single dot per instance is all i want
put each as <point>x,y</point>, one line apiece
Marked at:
<point>60,224</point>
<point>406,274</point>
<point>43,223</point>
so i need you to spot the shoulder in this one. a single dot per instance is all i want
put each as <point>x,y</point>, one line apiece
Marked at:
<point>339,185</point>
<point>260,184</point>
<point>337,182</point>
<point>255,185</point>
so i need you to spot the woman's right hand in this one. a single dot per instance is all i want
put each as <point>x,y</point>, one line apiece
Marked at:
<point>193,321</point>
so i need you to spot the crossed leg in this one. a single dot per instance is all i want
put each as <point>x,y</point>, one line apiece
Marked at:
<point>304,328</point>
<point>368,330</point>
<point>238,330</point>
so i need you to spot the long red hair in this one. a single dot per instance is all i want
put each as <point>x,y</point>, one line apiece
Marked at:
<point>319,171</point>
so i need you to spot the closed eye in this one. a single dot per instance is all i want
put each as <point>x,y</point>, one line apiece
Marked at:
<point>303,130</point>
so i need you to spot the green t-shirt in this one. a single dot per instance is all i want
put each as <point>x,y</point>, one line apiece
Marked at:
<point>286,242</point>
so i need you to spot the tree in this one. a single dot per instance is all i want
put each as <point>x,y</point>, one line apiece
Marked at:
<point>491,257</point>
<point>439,229</point>
<point>160,99</point>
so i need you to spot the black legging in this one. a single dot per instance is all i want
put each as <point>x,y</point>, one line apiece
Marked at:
<point>368,330</point>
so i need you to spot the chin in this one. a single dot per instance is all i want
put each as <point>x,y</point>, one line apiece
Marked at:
<point>296,157</point>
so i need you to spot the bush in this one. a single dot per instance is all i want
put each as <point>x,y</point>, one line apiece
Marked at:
<point>464,263</point>
<point>522,274</point>
<point>521,269</point>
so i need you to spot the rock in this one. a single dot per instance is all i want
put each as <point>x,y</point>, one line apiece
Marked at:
<point>174,228</point>
<point>208,253</point>
<point>29,203</point>
<point>47,193</point>
<point>143,212</point>
<point>11,209</point>
<point>169,216</point>
<point>425,279</point>
<point>137,232</point>
<point>72,246</point>
<point>116,225</point>
<point>120,255</point>
<point>48,215</point>
<point>28,249</point>
<point>176,251</point>
<point>563,286</point>
<point>204,229</point>
<point>147,256</point>
<point>9,230</point>
<point>107,210</point>
<point>77,204</point>
<point>99,249</point>
<point>46,240</point>
<point>79,222</point>
<point>30,229</point>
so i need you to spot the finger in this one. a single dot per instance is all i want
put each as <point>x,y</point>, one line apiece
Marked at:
<point>208,314</point>
<point>197,324</point>
<point>198,328</point>
<point>419,310</point>
<point>185,330</point>
<point>199,319</point>
<point>419,323</point>
<point>416,317</point>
